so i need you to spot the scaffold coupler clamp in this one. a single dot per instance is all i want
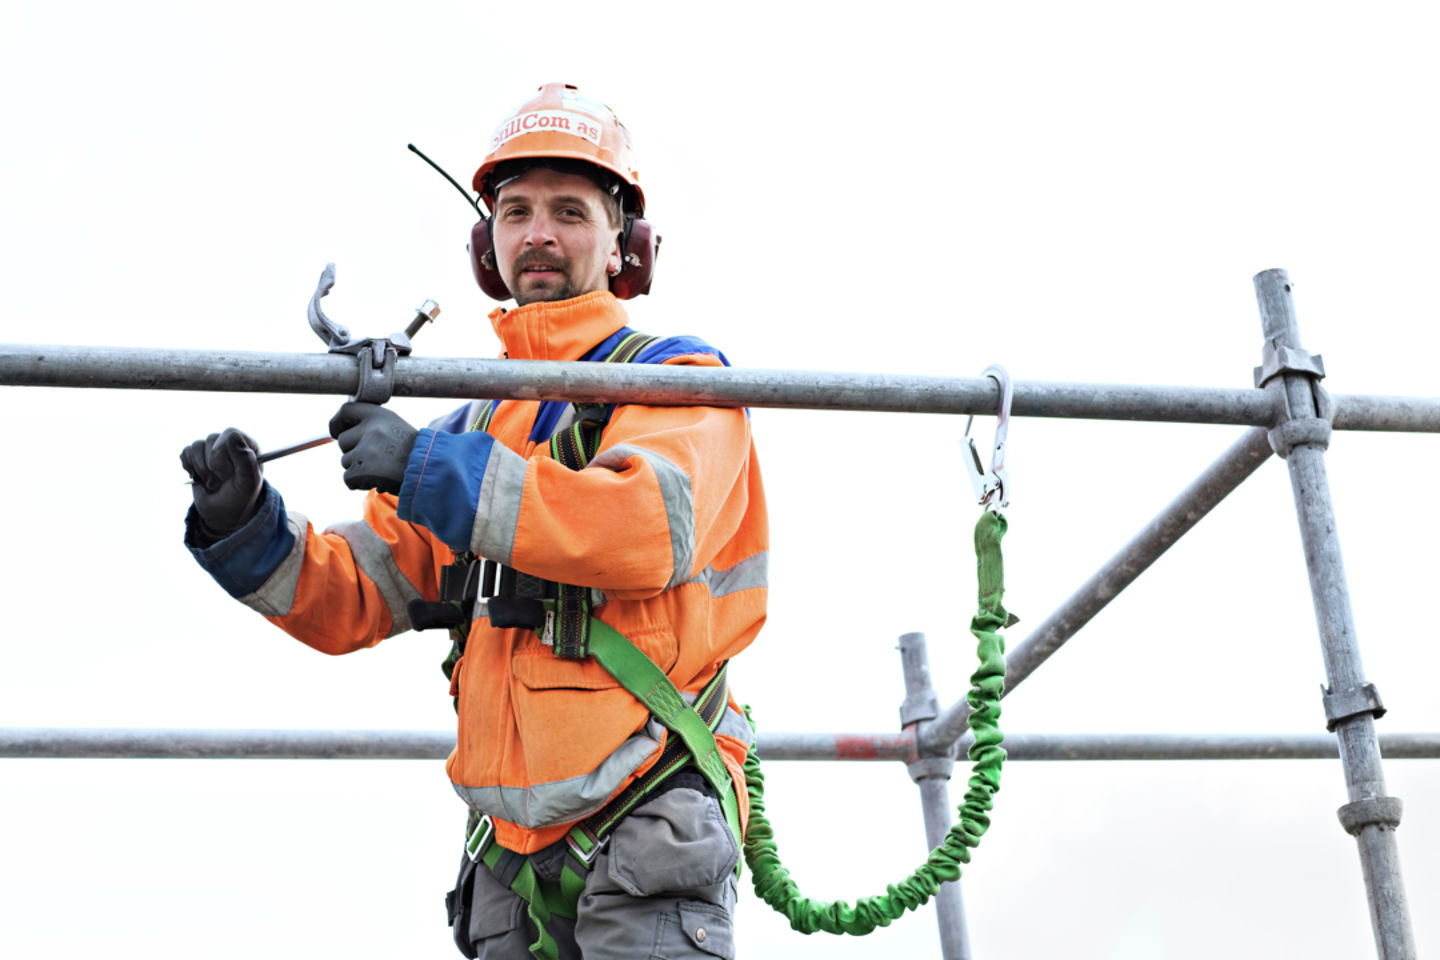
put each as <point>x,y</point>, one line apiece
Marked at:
<point>992,486</point>
<point>919,708</point>
<point>375,356</point>
<point>1298,427</point>
<point>1342,706</point>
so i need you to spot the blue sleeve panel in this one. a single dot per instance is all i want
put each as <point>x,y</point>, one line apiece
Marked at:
<point>244,560</point>
<point>443,481</point>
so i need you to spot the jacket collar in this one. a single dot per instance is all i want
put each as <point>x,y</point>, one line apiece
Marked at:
<point>558,329</point>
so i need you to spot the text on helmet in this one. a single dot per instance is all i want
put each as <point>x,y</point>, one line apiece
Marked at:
<point>552,121</point>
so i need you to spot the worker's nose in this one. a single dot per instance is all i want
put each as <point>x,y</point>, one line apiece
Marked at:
<point>541,232</point>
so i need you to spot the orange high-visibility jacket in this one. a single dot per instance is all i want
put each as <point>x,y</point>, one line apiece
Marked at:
<point>668,521</point>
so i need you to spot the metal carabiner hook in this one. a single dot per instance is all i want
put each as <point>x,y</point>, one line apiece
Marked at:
<point>992,487</point>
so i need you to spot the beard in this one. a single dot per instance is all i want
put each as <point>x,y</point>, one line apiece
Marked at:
<point>562,290</point>
<point>555,286</point>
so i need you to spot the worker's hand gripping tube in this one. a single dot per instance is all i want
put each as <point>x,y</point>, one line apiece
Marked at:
<point>376,444</point>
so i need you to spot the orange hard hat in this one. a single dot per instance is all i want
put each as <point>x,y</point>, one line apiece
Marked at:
<point>560,123</point>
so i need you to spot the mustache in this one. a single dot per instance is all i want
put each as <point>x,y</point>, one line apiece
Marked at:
<point>539,258</point>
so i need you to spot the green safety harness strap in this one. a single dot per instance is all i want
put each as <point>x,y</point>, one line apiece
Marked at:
<point>648,684</point>
<point>575,447</point>
<point>772,881</point>
<point>542,900</point>
<point>645,681</point>
<point>574,633</point>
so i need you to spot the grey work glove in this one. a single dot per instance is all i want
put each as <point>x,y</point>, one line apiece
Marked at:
<point>376,444</point>
<point>227,484</point>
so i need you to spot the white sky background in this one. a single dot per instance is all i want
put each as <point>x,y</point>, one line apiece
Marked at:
<point>1081,192</point>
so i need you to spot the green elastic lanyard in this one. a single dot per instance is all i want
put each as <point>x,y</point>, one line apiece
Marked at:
<point>772,880</point>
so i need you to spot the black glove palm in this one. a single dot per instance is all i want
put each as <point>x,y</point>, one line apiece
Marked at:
<point>227,483</point>
<point>376,444</point>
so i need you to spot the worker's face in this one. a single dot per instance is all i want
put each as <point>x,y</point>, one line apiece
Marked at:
<point>553,239</point>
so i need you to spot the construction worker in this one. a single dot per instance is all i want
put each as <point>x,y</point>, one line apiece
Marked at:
<point>596,828</point>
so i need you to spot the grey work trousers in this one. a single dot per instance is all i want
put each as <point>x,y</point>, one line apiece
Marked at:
<point>662,888</point>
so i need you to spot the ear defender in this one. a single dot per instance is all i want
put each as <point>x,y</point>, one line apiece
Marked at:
<point>482,260</point>
<point>639,246</point>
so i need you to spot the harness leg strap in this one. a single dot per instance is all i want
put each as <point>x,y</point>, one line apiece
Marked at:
<point>542,900</point>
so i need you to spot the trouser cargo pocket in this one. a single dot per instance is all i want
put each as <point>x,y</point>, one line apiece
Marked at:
<point>664,887</point>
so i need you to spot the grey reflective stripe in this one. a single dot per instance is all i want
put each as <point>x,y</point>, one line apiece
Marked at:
<point>748,574</point>
<point>276,595</point>
<point>678,498</point>
<point>497,508</point>
<point>563,801</point>
<point>374,558</point>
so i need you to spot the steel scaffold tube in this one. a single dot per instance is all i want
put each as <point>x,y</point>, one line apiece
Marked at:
<point>253,372</point>
<point>103,743</point>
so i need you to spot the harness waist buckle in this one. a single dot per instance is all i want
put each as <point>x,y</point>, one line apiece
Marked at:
<point>596,844</point>
<point>480,838</point>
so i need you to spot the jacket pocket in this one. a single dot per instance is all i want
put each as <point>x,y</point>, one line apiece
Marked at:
<point>542,670</point>
<point>537,667</point>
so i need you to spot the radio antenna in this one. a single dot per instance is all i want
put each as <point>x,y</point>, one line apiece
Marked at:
<point>472,201</point>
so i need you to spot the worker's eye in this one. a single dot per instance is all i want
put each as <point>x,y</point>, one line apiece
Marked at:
<point>512,213</point>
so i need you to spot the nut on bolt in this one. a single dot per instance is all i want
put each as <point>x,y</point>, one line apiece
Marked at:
<point>426,312</point>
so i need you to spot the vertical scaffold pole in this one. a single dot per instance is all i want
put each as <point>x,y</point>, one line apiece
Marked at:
<point>932,775</point>
<point>1351,704</point>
